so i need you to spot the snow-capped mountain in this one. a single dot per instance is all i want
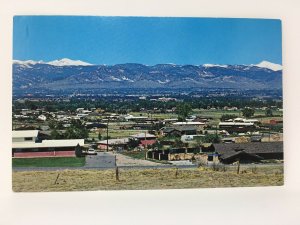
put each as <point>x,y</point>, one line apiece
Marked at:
<point>269,65</point>
<point>27,63</point>
<point>61,62</point>
<point>68,62</point>
<point>74,74</point>
<point>215,65</point>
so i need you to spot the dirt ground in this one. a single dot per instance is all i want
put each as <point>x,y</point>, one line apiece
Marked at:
<point>133,179</point>
<point>123,160</point>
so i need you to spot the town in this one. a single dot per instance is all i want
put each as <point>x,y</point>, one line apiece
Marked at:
<point>144,131</point>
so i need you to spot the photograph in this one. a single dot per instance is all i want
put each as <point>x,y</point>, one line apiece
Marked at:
<point>143,103</point>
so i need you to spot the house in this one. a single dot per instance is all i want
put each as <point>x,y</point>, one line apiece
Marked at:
<point>249,152</point>
<point>42,118</point>
<point>187,130</point>
<point>95,125</point>
<point>29,143</point>
<point>175,154</point>
<point>196,124</point>
<point>113,143</point>
<point>170,131</point>
<point>146,143</point>
<point>46,148</point>
<point>144,136</point>
<point>25,135</point>
<point>135,118</point>
<point>178,131</point>
<point>239,127</point>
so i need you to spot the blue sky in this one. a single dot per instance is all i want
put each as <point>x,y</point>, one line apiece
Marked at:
<point>147,40</point>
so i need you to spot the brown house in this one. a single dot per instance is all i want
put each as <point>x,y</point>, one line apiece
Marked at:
<point>249,152</point>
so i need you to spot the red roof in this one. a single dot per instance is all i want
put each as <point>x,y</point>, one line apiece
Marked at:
<point>148,142</point>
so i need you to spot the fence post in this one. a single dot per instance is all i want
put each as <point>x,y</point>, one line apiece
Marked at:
<point>117,174</point>
<point>117,169</point>
<point>55,182</point>
<point>238,166</point>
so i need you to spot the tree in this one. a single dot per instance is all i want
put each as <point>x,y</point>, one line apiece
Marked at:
<point>157,145</point>
<point>225,117</point>
<point>183,111</point>
<point>248,112</point>
<point>99,136</point>
<point>178,143</point>
<point>76,131</point>
<point>55,134</point>
<point>211,138</point>
<point>133,143</point>
<point>78,151</point>
<point>269,112</point>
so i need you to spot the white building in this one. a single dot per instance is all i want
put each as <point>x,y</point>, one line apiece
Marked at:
<point>25,135</point>
<point>42,117</point>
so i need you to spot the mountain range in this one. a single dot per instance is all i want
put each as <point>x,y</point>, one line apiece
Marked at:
<point>68,74</point>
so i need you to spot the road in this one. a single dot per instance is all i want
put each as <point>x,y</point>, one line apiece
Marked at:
<point>101,160</point>
<point>106,160</point>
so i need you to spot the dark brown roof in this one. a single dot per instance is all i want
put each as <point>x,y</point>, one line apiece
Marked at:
<point>252,147</point>
<point>234,154</point>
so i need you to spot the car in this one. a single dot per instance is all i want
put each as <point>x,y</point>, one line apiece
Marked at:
<point>91,152</point>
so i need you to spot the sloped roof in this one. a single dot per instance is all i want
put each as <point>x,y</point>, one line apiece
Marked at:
<point>24,133</point>
<point>148,142</point>
<point>143,135</point>
<point>251,147</point>
<point>114,141</point>
<point>186,128</point>
<point>49,143</point>
<point>233,154</point>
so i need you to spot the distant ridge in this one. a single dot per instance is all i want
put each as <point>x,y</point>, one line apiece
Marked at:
<point>67,74</point>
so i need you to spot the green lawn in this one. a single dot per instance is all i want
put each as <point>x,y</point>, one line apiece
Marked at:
<point>49,162</point>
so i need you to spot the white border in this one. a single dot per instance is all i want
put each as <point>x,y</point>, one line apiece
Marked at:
<point>269,205</point>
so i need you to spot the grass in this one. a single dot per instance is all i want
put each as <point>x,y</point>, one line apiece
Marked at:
<point>131,179</point>
<point>49,162</point>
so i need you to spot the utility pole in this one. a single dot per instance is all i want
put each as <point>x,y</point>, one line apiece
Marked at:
<point>107,134</point>
<point>146,147</point>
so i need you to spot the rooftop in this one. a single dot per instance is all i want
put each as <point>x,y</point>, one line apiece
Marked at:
<point>251,147</point>
<point>49,143</point>
<point>143,135</point>
<point>114,141</point>
<point>24,133</point>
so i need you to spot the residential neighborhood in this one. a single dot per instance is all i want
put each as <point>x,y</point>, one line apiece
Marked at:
<point>94,138</point>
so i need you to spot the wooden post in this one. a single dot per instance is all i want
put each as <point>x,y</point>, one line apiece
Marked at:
<point>117,174</point>
<point>55,182</point>
<point>117,169</point>
<point>238,166</point>
<point>176,172</point>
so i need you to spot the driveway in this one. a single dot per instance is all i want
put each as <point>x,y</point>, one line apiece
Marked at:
<point>101,160</point>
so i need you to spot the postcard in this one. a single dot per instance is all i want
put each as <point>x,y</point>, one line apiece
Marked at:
<point>127,103</point>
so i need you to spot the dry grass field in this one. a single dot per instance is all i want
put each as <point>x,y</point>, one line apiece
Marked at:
<point>134,179</point>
